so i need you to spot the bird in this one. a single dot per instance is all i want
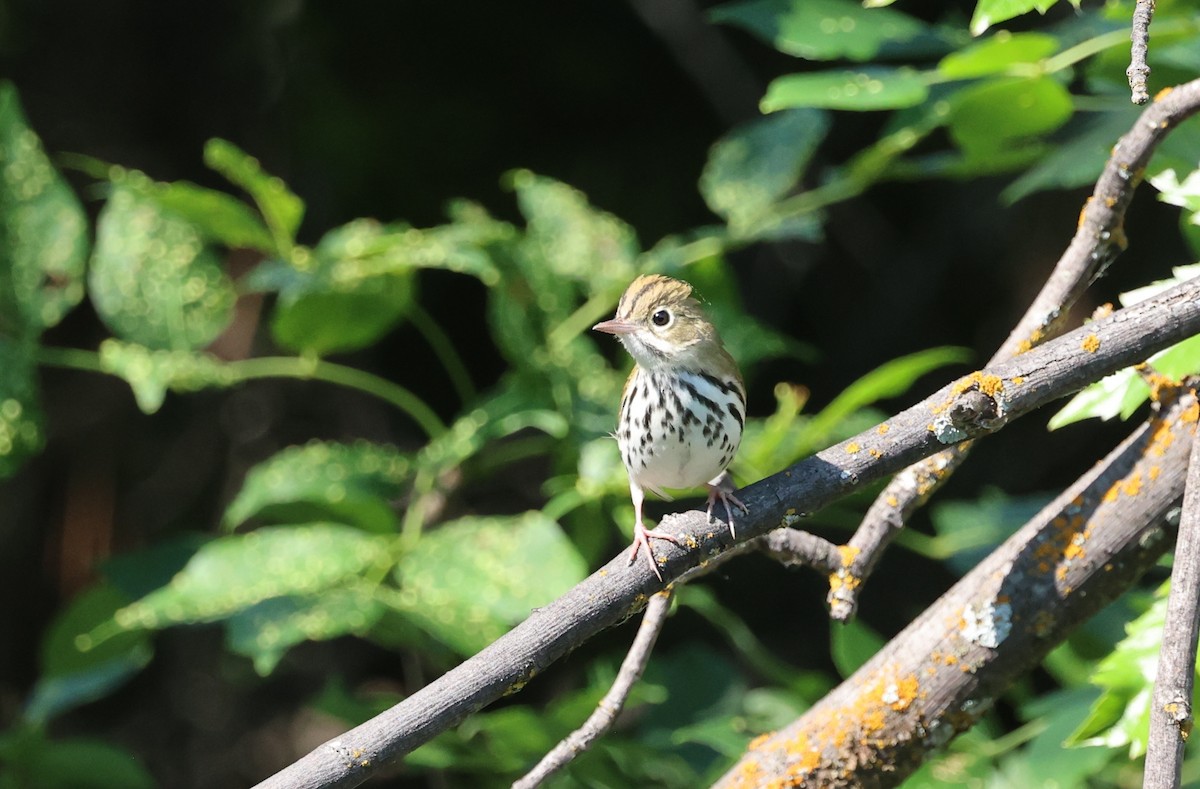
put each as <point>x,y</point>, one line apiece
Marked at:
<point>683,406</point>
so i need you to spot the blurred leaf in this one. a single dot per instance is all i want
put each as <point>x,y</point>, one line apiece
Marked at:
<point>43,228</point>
<point>349,483</point>
<point>1044,761</point>
<point>992,12</point>
<point>21,432</point>
<point>1121,716</point>
<point>890,379</point>
<point>469,581</point>
<point>137,574</point>
<point>265,631</point>
<point>967,531</point>
<point>998,113</point>
<point>821,29</point>
<point>997,54</point>
<point>73,672</point>
<point>861,90</point>
<point>218,217</point>
<point>28,759</point>
<point>758,163</point>
<point>1186,195</point>
<point>152,373</point>
<point>152,279</point>
<point>851,644</point>
<point>282,209</point>
<point>568,238</point>
<point>230,574</point>
<point>1084,145</point>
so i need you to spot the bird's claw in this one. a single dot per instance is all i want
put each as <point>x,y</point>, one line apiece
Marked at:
<point>726,497</point>
<point>643,536</point>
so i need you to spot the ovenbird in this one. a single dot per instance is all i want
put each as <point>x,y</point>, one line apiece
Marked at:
<point>684,404</point>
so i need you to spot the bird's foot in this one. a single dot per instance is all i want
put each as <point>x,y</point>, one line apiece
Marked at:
<point>729,500</point>
<point>643,536</point>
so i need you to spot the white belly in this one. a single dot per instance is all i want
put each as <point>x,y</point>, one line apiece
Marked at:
<point>689,438</point>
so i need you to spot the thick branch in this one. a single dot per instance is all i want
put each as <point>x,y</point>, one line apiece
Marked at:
<point>944,670</point>
<point>617,590</point>
<point>1099,238</point>
<point>605,714</point>
<point>1171,709</point>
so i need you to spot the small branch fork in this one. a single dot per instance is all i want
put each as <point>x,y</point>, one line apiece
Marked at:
<point>1138,71</point>
<point>1171,709</point>
<point>605,714</point>
<point>1099,238</point>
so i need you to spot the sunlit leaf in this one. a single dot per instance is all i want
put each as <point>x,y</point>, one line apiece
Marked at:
<point>231,574</point>
<point>1001,112</point>
<point>153,280</point>
<point>266,631</point>
<point>992,12</point>
<point>860,90</point>
<point>282,210</point>
<point>350,483</point>
<point>43,229</point>
<point>152,373</point>
<point>997,54</point>
<point>469,581</point>
<point>821,29</point>
<point>851,644</point>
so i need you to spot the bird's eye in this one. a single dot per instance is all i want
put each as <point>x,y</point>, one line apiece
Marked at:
<point>661,318</point>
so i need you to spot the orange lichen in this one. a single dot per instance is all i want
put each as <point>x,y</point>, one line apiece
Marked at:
<point>1160,439</point>
<point>852,448</point>
<point>848,553</point>
<point>882,429</point>
<point>843,579</point>
<point>950,660</point>
<point>1162,94</point>
<point>1018,380</point>
<point>875,453</point>
<point>990,385</point>
<point>892,501</point>
<point>1083,213</point>
<point>1154,472</point>
<point>1191,414</point>
<point>1091,343</point>
<point>1132,485</point>
<point>759,740</point>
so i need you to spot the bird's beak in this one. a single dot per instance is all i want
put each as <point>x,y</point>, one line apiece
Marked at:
<point>616,326</point>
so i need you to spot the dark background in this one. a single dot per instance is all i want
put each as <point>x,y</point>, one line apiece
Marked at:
<point>389,110</point>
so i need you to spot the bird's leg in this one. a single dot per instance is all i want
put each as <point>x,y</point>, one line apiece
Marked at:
<point>722,487</point>
<point>642,535</point>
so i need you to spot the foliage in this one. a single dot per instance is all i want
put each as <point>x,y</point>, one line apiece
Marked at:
<point>333,539</point>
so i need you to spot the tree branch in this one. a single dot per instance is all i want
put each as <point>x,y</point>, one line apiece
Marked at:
<point>605,714</point>
<point>1171,709</point>
<point>1139,34</point>
<point>995,396</point>
<point>1099,238</point>
<point>938,677</point>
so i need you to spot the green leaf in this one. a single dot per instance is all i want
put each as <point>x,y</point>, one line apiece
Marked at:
<point>264,632</point>
<point>1121,716</point>
<point>1118,394</point>
<point>43,228</point>
<point>469,581</point>
<point>231,574</point>
<point>851,644</point>
<point>73,671</point>
<point>152,279</point>
<point>821,29</point>
<point>967,531</point>
<point>861,90</point>
<point>217,216</point>
<point>998,54</point>
<point>1084,145</point>
<point>349,483</point>
<point>282,209</point>
<point>998,113</point>
<point>992,12</point>
<point>152,373</point>
<point>566,238</point>
<point>21,432</point>
<point>756,164</point>
<point>31,760</point>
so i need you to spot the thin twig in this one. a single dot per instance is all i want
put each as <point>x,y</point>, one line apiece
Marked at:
<point>1099,238</point>
<point>989,399</point>
<point>1171,708</point>
<point>1139,34</point>
<point>606,712</point>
